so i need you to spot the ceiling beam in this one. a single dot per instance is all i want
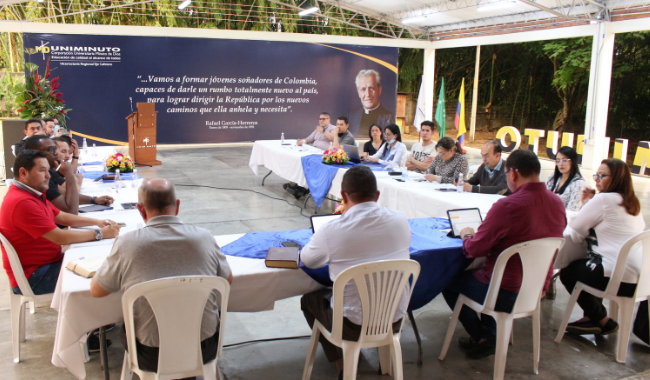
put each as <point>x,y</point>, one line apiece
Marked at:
<point>553,11</point>
<point>378,16</point>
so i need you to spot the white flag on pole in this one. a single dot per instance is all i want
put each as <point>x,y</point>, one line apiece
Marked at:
<point>419,111</point>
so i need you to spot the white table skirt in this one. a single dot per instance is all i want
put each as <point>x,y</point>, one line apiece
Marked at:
<point>283,160</point>
<point>254,288</point>
<point>414,199</point>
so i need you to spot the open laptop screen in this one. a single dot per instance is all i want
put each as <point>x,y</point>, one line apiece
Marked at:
<point>317,221</point>
<point>461,218</point>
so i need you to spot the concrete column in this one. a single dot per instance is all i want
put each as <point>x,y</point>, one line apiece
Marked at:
<point>600,79</point>
<point>427,77</point>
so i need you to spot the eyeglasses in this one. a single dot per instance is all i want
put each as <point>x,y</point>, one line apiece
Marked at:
<point>52,149</point>
<point>562,161</point>
<point>503,175</point>
<point>600,176</point>
<point>323,118</point>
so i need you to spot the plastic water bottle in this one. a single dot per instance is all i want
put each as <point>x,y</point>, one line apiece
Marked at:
<point>331,145</point>
<point>405,172</point>
<point>282,138</point>
<point>85,146</point>
<point>94,150</point>
<point>134,183</point>
<point>459,185</point>
<point>118,179</point>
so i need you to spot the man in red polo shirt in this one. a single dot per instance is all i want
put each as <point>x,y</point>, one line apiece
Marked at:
<point>531,212</point>
<point>28,221</point>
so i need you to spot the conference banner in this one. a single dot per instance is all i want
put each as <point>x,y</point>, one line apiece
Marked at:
<point>216,90</point>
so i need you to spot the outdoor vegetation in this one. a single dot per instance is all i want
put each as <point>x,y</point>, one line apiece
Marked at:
<point>528,85</point>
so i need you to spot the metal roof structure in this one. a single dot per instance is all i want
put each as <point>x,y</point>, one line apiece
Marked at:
<point>399,19</point>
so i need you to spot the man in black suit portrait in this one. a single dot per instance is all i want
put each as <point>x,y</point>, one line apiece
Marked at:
<point>372,112</point>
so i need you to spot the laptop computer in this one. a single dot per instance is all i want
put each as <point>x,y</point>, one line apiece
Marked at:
<point>464,217</point>
<point>353,153</point>
<point>317,221</point>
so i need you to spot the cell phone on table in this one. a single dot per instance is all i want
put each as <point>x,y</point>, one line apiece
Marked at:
<point>291,244</point>
<point>398,179</point>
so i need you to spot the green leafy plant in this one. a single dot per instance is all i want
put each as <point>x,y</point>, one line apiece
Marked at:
<point>8,83</point>
<point>38,97</point>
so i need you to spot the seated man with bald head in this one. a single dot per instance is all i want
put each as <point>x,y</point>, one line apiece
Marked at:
<point>164,248</point>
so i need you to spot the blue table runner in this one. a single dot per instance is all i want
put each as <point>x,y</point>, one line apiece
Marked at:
<point>319,176</point>
<point>440,257</point>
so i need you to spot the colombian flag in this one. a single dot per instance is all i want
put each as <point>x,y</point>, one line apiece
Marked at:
<point>459,121</point>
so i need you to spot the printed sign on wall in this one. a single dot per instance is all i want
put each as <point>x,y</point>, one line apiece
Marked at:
<point>212,90</point>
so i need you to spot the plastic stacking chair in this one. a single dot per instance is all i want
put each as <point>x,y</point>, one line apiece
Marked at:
<point>178,304</point>
<point>472,169</point>
<point>18,302</point>
<point>381,285</point>
<point>536,258</point>
<point>625,315</point>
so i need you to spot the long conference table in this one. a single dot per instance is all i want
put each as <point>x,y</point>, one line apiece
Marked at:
<point>414,199</point>
<point>255,287</point>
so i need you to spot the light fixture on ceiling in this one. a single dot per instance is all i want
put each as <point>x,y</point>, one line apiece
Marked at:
<point>494,6</point>
<point>184,4</point>
<point>308,11</point>
<point>414,19</point>
<point>593,22</point>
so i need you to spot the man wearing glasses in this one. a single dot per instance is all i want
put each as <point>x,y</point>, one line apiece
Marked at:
<point>489,177</point>
<point>65,199</point>
<point>323,135</point>
<point>320,138</point>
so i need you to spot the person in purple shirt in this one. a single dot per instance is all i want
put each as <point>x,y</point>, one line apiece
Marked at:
<point>531,212</point>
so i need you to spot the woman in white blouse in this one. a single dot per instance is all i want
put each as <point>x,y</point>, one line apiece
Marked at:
<point>393,152</point>
<point>615,215</point>
<point>566,181</point>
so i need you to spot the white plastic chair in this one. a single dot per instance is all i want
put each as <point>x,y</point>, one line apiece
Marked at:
<point>178,304</point>
<point>356,143</point>
<point>381,286</point>
<point>536,258</point>
<point>472,170</point>
<point>18,301</point>
<point>625,315</point>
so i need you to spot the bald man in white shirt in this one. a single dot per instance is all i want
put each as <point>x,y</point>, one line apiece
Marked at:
<point>365,233</point>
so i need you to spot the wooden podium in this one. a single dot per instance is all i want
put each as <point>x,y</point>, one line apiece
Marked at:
<point>142,141</point>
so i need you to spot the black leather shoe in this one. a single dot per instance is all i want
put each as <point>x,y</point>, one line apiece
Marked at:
<point>467,343</point>
<point>584,328</point>
<point>610,327</point>
<point>482,350</point>
<point>93,343</point>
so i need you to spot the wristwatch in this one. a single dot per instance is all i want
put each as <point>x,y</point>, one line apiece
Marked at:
<point>467,236</point>
<point>75,157</point>
<point>92,200</point>
<point>98,235</point>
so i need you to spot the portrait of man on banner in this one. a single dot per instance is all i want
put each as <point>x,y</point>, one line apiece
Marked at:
<point>368,84</point>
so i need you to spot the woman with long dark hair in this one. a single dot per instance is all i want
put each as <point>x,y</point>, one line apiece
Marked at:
<point>449,162</point>
<point>614,215</point>
<point>393,152</point>
<point>376,140</point>
<point>566,181</point>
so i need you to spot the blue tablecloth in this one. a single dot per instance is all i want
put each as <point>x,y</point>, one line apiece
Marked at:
<point>319,176</point>
<point>440,259</point>
<point>96,174</point>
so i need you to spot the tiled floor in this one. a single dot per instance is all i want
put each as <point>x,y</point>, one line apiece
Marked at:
<point>227,210</point>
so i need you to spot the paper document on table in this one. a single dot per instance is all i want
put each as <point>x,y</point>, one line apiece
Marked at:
<point>462,218</point>
<point>86,266</point>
